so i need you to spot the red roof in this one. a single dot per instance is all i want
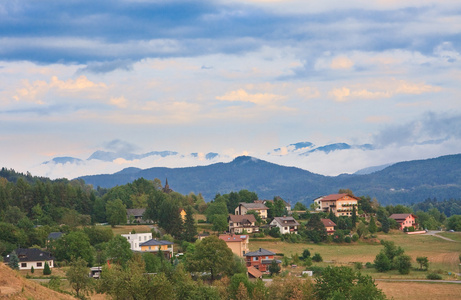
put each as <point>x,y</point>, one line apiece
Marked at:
<point>233,237</point>
<point>401,217</point>
<point>254,272</point>
<point>336,197</point>
<point>328,223</point>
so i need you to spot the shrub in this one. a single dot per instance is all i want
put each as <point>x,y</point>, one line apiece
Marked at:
<point>403,264</point>
<point>306,253</point>
<point>307,262</point>
<point>317,257</point>
<point>369,265</point>
<point>32,270</point>
<point>348,239</point>
<point>46,269</point>
<point>316,270</point>
<point>358,265</point>
<point>355,237</point>
<point>433,276</point>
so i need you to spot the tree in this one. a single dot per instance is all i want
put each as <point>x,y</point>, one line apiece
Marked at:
<point>211,255</point>
<point>220,223</point>
<point>274,267</point>
<point>116,212</point>
<point>13,263</point>
<point>317,257</point>
<point>382,262</point>
<point>118,250</point>
<point>170,218</point>
<point>306,253</point>
<point>454,223</point>
<point>391,250</point>
<point>46,269</point>
<point>354,216</point>
<point>362,229</point>
<point>346,283</point>
<point>403,264</point>
<point>300,206</point>
<point>32,270</point>
<point>316,231</point>
<point>190,228</point>
<point>372,226</point>
<point>74,245</point>
<point>423,262</point>
<point>78,278</point>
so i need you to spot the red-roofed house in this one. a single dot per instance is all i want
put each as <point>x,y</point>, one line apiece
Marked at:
<point>405,220</point>
<point>329,225</point>
<point>339,204</point>
<point>260,259</point>
<point>237,243</point>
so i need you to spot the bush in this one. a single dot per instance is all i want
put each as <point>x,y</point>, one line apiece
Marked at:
<point>369,265</point>
<point>355,237</point>
<point>316,270</point>
<point>433,276</point>
<point>46,269</point>
<point>32,270</point>
<point>317,257</point>
<point>306,253</point>
<point>348,239</point>
<point>307,262</point>
<point>358,265</point>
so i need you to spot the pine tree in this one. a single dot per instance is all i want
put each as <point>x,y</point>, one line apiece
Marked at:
<point>32,270</point>
<point>354,216</point>
<point>13,263</point>
<point>190,228</point>
<point>46,269</point>
<point>372,226</point>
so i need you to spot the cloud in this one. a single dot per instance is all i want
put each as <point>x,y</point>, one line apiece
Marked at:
<point>430,128</point>
<point>107,66</point>
<point>383,89</point>
<point>259,99</point>
<point>35,91</point>
<point>120,146</point>
<point>341,63</point>
<point>120,102</point>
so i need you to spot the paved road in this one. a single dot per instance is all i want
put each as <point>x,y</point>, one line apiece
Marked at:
<point>434,233</point>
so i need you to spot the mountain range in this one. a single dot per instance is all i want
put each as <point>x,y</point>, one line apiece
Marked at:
<point>400,183</point>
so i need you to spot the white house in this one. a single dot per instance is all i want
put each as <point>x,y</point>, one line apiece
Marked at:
<point>32,257</point>
<point>286,224</point>
<point>136,239</point>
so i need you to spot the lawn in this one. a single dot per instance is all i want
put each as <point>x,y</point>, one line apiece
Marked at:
<point>420,290</point>
<point>128,228</point>
<point>443,255</point>
<point>456,236</point>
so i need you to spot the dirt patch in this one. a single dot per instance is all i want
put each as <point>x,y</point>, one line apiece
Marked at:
<point>420,290</point>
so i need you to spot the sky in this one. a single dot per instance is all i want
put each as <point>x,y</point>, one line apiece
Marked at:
<point>240,77</point>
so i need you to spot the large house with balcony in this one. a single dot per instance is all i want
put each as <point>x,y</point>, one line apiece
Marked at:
<point>244,207</point>
<point>286,225</point>
<point>239,223</point>
<point>136,239</point>
<point>339,204</point>
<point>154,246</point>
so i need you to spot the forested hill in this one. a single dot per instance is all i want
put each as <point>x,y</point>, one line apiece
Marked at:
<point>401,183</point>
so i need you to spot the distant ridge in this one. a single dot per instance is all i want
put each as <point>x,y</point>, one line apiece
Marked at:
<point>404,182</point>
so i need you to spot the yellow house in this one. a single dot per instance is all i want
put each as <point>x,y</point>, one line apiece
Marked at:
<point>237,243</point>
<point>183,214</point>
<point>339,204</point>
<point>155,246</point>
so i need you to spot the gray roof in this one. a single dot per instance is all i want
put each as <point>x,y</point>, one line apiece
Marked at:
<point>137,212</point>
<point>253,205</point>
<point>32,254</point>
<point>260,252</point>
<point>54,235</point>
<point>290,221</point>
<point>154,242</point>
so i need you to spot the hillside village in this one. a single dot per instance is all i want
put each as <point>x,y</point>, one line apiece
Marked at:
<point>145,231</point>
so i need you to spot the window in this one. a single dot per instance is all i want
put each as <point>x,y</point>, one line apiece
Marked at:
<point>23,265</point>
<point>255,258</point>
<point>39,264</point>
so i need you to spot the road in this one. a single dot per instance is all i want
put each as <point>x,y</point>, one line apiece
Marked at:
<point>434,233</point>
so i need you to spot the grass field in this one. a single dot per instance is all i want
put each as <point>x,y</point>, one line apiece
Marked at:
<point>128,228</point>
<point>456,236</point>
<point>420,290</point>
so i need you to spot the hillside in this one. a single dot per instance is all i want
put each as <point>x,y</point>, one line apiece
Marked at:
<point>405,182</point>
<point>13,286</point>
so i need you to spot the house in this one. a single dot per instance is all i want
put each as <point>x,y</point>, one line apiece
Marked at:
<point>237,243</point>
<point>260,259</point>
<point>329,225</point>
<point>202,235</point>
<point>254,273</point>
<point>134,215</point>
<point>286,224</point>
<point>244,207</point>
<point>154,246</point>
<point>405,220</point>
<point>339,204</point>
<point>136,239</point>
<point>183,214</point>
<point>95,272</point>
<point>286,204</point>
<point>240,223</point>
<point>318,204</point>
<point>32,258</point>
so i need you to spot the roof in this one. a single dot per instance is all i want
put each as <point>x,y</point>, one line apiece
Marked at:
<point>254,272</point>
<point>269,261</point>
<point>242,218</point>
<point>286,221</point>
<point>328,222</point>
<point>54,235</point>
<point>32,254</point>
<point>135,212</point>
<point>260,252</point>
<point>335,197</point>
<point>233,237</point>
<point>401,216</point>
<point>154,242</point>
<point>253,205</point>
